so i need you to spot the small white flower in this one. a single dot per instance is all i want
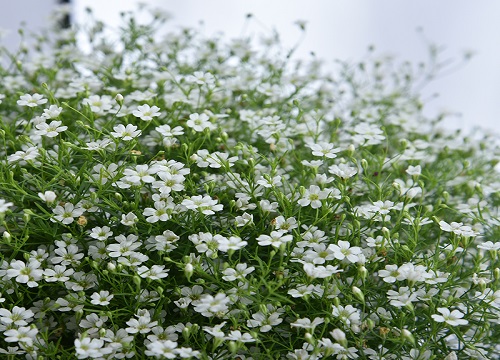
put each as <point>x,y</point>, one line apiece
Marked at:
<point>31,100</point>
<point>200,122</point>
<point>414,170</point>
<point>103,297</point>
<point>48,196</point>
<point>146,112</point>
<point>453,318</point>
<point>4,206</point>
<point>126,133</point>
<point>66,214</point>
<point>50,130</point>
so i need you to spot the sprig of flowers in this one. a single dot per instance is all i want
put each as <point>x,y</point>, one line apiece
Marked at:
<point>184,197</point>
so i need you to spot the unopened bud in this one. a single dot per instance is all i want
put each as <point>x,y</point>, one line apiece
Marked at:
<point>408,336</point>
<point>358,293</point>
<point>188,270</point>
<point>119,98</point>
<point>7,237</point>
<point>362,272</point>
<point>339,336</point>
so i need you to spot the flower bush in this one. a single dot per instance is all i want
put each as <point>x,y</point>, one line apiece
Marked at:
<point>173,196</point>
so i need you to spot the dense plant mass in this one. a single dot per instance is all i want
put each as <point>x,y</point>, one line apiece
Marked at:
<point>172,196</point>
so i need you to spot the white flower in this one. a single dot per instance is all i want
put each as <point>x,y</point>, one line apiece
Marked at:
<point>306,323</point>
<point>125,133</point>
<point>19,316</point>
<point>205,204</point>
<point>241,271</point>
<point>276,239</point>
<point>99,104</point>
<point>414,170</point>
<point>200,122</point>
<point>88,347</point>
<point>48,196</point>
<point>27,274</point>
<point>59,273</point>
<point>103,297</point>
<point>234,243</point>
<point>165,348</point>
<point>324,149</point>
<point>201,78</point>
<point>453,318</point>
<point>159,212</point>
<point>209,305</point>
<point>343,171</point>
<point>23,334</point>
<point>31,100</point>
<point>146,112</point>
<point>101,233</point>
<point>129,219</point>
<point>67,213</point>
<point>52,112</point>
<point>142,324</point>
<point>343,250</point>
<point>50,130</point>
<point>313,197</point>
<point>31,153</point>
<point>4,206</point>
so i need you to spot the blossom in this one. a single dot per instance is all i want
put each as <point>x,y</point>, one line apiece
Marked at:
<point>30,153</point>
<point>453,318</point>
<point>103,297</point>
<point>343,250</point>
<point>67,213</point>
<point>99,104</point>
<point>22,334</point>
<point>146,112</point>
<point>52,112</point>
<point>306,323</point>
<point>142,324</point>
<point>324,149</point>
<point>100,233</point>
<point>126,133</point>
<point>205,204</point>
<point>201,78</point>
<point>414,170</point>
<point>457,228</point>
<point>88,347</point>
<point>343,171</point>
<point>19,316</point>
<point>238,273</point>
<point>31,100</point>
<point>199,122</point>
<point>4,206</point>
<point>50,130</point>
<point>24,273</point>
<point>276,239</point>
<point>313,197</point>
<point>209,305</point>
<point>48,196</point>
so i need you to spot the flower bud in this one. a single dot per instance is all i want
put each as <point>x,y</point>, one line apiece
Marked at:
<point>309,338</point>
<point>119,99</point>
<point>6,237</point>
<point>188,271</point>
<point>358,294</point>
<point>363,272</point>
<point>339,336</point>
<point>408,336</point>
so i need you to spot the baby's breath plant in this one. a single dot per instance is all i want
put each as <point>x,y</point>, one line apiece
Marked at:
<point>176,196</point>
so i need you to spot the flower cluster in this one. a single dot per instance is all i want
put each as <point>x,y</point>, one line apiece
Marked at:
<point>181,197</point>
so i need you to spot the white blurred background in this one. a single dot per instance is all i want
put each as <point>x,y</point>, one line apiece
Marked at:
<point>341,29</point>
